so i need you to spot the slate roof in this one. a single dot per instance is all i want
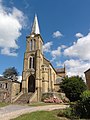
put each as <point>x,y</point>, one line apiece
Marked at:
<point>60,70</point>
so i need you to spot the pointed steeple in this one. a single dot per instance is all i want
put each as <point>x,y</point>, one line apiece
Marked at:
<point>35,27</point>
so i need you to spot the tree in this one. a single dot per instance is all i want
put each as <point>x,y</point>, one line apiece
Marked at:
<point>73,87</point>
<point>10,73</point>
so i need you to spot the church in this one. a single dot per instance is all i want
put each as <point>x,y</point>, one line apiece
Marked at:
<point>39,76</point>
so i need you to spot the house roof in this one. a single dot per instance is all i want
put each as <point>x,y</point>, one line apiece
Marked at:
<point>60,70</point>
<point>2,78</point>
<point>9,80</point>
<point>87,70</point>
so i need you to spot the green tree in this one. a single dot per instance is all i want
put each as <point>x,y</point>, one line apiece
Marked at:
<point>73,87</point>
<point>82,107</point>
<point>10,73</point>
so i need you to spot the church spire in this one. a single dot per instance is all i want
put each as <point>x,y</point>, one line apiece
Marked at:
<point>35,27</point>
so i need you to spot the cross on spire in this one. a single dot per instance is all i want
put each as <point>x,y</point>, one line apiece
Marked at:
<point>35,27</point>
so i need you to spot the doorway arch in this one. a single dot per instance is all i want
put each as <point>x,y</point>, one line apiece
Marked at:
<point>31,84</point>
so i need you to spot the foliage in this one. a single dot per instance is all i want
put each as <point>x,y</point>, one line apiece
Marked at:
<point>79,109</point>
<point>82,107</point>
<point>85,95</point>
<point>73,87</point>
<point>68,113</point>
<point>10,73</point>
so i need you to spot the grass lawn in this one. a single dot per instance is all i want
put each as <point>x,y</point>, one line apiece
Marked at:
<point>40,115</point>
<point>2,104</point>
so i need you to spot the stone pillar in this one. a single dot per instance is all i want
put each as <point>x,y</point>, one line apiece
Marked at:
<point>38,74</point>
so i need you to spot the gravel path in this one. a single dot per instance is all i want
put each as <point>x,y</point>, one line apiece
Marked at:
<point>12,111</point>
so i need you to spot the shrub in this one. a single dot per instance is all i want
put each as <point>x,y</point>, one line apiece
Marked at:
<point>68,112</point>
<point>73,87</point>
<point>82,107</point>
<point>79,109</point>
<point>85,95</point>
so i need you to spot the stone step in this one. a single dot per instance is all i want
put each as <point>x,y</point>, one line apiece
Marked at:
<point>24,99</point>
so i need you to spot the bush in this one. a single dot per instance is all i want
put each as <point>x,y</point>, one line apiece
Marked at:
<point>79,109</point>
<point>68,112</point>
<point>85,95</point>
<point>73,87</point>
<point>82,107</point>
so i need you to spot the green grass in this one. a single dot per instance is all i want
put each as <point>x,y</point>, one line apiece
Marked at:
<point>40,115</point>
<point>2,104</point>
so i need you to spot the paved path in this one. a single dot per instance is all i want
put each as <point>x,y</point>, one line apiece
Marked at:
<point>12,111</point>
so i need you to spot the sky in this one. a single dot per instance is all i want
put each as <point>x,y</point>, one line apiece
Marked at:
<point>64,27</point>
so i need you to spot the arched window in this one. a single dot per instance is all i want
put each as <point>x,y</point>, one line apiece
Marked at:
<point>32,62</point>
<point>30,45</point>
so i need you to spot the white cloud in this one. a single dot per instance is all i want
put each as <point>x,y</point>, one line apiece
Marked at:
<point>80,49</point>
<point>7,51</point>
<point>79,56</point>
<point>47,47</point>
<point>19,78</point>
<point>11,24</point>
<point>57,34</point>
<point>76,67</point>
<point>72,63</point>
<point>56,53</point>
<point>63,46</point>
<point>79,35</point>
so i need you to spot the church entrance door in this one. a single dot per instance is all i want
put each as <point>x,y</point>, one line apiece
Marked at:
<point>31,84</point>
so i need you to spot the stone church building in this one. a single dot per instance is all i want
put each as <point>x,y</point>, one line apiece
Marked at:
<point>39,76</point>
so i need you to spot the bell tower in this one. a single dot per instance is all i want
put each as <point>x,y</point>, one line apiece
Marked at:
<point>33,60</point>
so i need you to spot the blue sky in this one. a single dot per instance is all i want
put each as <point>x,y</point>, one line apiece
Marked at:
<point>64,27</point>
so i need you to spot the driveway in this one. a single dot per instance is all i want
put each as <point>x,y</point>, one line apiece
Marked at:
<point>12,111</point>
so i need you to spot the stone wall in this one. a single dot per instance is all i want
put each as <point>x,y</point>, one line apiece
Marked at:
<point>8,89</point>
<point>15,89</point>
